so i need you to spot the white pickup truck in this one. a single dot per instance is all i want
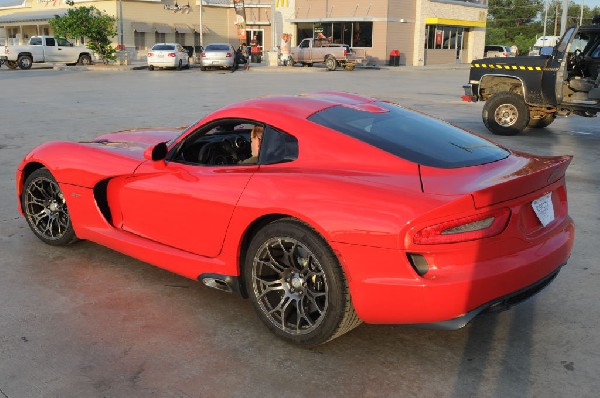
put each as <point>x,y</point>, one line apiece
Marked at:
<point>45,49</point>
<point>312,51</point>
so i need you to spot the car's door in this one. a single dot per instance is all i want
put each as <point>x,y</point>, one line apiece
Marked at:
<point>59,50</point>
<point>304,51</point>
<point>182,203</point>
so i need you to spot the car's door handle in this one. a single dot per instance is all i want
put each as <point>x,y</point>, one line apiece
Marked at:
<point>60,49</point>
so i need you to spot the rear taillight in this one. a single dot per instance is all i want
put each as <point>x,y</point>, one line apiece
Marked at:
<point>228,55</point>
<point>464,229</point>
<point>345,52</point>
<point>203,55</point>
<point>150,54</point>
<point>505,54</point>
<point>172,55</point>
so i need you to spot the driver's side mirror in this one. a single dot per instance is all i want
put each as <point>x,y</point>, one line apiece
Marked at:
<point>546,50</point>
<point>156,152</point>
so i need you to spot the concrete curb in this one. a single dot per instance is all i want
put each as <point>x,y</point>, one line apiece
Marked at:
<point>261,68</point>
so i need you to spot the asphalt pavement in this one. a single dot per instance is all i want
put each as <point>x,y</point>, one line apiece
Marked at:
<point>85,321</point>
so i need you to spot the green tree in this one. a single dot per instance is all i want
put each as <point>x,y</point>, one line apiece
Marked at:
<point>506,13</point>
<point>91,23</point>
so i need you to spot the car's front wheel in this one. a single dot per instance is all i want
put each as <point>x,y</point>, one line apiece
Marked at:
<point>46,210</point>
<point>505,114</point>
<point>297,285</point>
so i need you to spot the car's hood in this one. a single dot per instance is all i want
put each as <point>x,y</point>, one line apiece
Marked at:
<point>138,138</point>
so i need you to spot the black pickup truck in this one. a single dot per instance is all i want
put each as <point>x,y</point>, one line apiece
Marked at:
<point>521,92</point>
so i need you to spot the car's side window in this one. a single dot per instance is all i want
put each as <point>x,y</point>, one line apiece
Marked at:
<point>236,142</point>
<point>35,41</point>
<point>278,147</point>
<point>221,143</point>
<point>63,43</point>
<point>50,42</point>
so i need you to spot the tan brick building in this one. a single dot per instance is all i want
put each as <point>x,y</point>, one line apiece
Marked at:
<point>424,31</point>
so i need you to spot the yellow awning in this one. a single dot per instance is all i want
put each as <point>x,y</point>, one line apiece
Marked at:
<point>454,22</point>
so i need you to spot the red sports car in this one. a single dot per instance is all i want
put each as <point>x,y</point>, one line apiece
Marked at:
<point>326,210</point>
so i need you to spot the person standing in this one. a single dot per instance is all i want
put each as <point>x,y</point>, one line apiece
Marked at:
<point>286,49</point>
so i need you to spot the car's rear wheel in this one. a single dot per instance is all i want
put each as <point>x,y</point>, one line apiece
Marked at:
<point>330,63</point>
<point>542,122</point>
<point>84,60</point>
<point>505,114</point>
<point>203,68</point>
<point>24,61</point>
<point>297,285</point>
<point>150,67</point>
<point>46,210</point>
<point>180,65</point>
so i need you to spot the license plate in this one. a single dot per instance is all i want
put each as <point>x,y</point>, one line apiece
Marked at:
<point>544,209</point>
<point>161,55</point>
<point>215,62</point>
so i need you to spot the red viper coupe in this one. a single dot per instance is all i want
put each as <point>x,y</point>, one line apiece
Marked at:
<point>352,209</point>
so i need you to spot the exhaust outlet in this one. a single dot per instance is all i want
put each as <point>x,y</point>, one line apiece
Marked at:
<point>217,284</point>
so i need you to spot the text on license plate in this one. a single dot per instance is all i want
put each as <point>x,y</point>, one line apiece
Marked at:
<point>544,209</point>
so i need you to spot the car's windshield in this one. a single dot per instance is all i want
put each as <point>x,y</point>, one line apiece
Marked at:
<point>411,136</point>
<point>164,47</point>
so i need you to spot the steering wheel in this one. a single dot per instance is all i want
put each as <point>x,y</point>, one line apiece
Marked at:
<point>577,62</point>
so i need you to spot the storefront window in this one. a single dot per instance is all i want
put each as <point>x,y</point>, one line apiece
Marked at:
<point>159,37</point>
<point>354,34</point>
<point>443,37</point>
<point>180,38</point>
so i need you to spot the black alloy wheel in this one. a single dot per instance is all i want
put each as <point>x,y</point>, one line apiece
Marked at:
<point>46,210</point>
<point>297,285</point>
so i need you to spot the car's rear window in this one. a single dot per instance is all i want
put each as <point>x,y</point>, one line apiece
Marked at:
<point>164,47</point>
<point>411,136</point>
<point>216,47</point>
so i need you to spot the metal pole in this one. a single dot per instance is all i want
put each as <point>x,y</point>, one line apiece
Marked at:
<point>121,46</point>
<point>201,27</point>
<point>581,15</point>
<point>545,16</point>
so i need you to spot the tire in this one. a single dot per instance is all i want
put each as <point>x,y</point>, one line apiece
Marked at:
<point>542,122</point>
<point>84,60</point>
<point>46,210</point>
<point>505,114</point>
<point>150,67</point>
<point>330,63</point>
<point>11,64</point>
<point>180,65</point>
<point>291,61</point>
<point>24,62</point>
<point>203,68</point>
<point>297,285</point>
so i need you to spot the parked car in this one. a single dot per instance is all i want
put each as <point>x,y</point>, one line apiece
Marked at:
<point>357,210</point>
<point>313,51</point>
<point>491,51</point>
<point>168,55</point>
<point>528,91</point>
<point>45,49</point>
<point>218,55</point>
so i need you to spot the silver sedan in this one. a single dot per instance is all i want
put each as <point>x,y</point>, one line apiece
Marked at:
<point>218,55</point>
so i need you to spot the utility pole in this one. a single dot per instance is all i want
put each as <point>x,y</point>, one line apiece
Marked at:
<point>556,19</point>
<point>563,20</point>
